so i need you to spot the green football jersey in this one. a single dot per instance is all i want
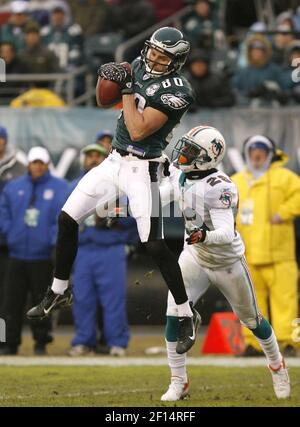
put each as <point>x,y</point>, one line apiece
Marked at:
<point>172,94</point>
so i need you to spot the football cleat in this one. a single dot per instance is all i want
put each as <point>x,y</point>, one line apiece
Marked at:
<point>50,302</point>
<point>281,381</point>
<point>187,333</point>
<point>177,390</point>
<point>117,351</point>
<point>80,350</point>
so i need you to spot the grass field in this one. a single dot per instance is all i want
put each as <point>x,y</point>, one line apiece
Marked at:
<point>138,386</point>
<point>132,385</point>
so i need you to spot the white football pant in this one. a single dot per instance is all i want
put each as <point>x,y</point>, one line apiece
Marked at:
<point>233,281</point>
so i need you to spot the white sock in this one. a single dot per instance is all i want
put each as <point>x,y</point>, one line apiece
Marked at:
<point>59,286</point>
<point>177,362</point>
<point>271,349</point>
<point>184,310</point>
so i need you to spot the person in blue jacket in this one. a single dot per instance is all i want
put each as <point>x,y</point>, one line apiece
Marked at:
<point>29,207</point>
<point>100,274</point>
<point>10,168</point>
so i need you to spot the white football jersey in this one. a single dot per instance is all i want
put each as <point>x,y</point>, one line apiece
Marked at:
<point>196,198</point>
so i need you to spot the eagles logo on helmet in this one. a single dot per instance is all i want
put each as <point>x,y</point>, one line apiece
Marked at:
<point>171,43</point>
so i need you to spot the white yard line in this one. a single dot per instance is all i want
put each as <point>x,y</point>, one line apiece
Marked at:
<point>136,361</point>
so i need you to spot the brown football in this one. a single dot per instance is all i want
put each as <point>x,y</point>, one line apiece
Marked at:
<point>108,92</point>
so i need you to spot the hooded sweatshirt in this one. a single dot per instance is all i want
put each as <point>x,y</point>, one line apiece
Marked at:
<point>251,78</point>
<point>276,192</point>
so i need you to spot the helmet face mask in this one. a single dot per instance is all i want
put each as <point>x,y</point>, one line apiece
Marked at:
<point>151,64</point>
<point>170,42</point>
<point>201,149</point>
<point>186,153</point>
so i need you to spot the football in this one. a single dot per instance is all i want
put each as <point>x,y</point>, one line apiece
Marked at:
<point>108,92</point>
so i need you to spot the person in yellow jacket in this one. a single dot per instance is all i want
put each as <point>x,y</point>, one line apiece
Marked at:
<point>37,98</point>
<point>269,201</point>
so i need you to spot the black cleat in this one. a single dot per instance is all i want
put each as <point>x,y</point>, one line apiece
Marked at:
<point>40,350</point>
<point>51,301</point>
<point>188,329</point>
<point>7,350</point>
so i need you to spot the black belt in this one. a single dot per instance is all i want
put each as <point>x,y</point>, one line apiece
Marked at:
<point>124,153</point>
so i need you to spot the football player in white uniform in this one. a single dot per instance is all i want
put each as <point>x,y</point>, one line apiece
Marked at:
<point>213,252</point>
<point>155,97</point>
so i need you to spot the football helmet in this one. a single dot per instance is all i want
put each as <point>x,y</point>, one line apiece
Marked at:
<point>202,148</point>
<point>170,42</point>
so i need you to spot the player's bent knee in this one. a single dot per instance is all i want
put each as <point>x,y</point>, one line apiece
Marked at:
<point>250,323</point>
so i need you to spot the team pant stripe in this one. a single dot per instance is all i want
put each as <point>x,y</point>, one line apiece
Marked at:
<point>244,264</point>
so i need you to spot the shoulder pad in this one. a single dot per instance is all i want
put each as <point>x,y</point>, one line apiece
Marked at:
<point>222,196</point>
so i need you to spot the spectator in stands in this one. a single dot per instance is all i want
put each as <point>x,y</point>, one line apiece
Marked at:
<point>200,24</point>
<point>10,168</point>
<point>13,32</point>
<point>131,17</point>
<point>105,138</point>
<point>40,10</point>
<point>29,208</point>
<point>269,201</point>
<point>256,28</point>
<point>281,42</point>
<point>292,72</point>
<point>166,8</point>
<point>14,65</point>
<point>91,15</point>
<point>100,275</point>
<point>212,89</point>
<point>297,19</point>
<point>64,39</point>
<point>261,80</point>
<point>285,18</point>
<point>37,58</point>
<point>38,98</point>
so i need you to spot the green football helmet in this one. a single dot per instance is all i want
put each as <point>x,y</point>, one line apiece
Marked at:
<point>170,42</point>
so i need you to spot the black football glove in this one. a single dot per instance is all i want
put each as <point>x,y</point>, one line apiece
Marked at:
<point>119,74</point>
<point>197,236</point>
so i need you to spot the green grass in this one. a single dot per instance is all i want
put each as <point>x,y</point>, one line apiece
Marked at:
<point>138,386</point>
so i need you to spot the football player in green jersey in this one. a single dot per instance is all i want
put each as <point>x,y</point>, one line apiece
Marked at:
<point>155,97</point>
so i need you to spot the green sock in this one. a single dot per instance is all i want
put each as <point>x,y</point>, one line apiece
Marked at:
<point>171,331</point>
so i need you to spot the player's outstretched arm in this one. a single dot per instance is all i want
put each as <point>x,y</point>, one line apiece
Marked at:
<point>141,124</point>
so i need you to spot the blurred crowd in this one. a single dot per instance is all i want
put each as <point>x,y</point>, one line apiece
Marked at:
<point>31,198</point>
<point>234,60</point>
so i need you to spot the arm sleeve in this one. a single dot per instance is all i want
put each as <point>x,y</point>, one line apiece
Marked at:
<point>223,222</point>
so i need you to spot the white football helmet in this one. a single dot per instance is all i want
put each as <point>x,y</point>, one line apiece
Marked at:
<point>202,148</point>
